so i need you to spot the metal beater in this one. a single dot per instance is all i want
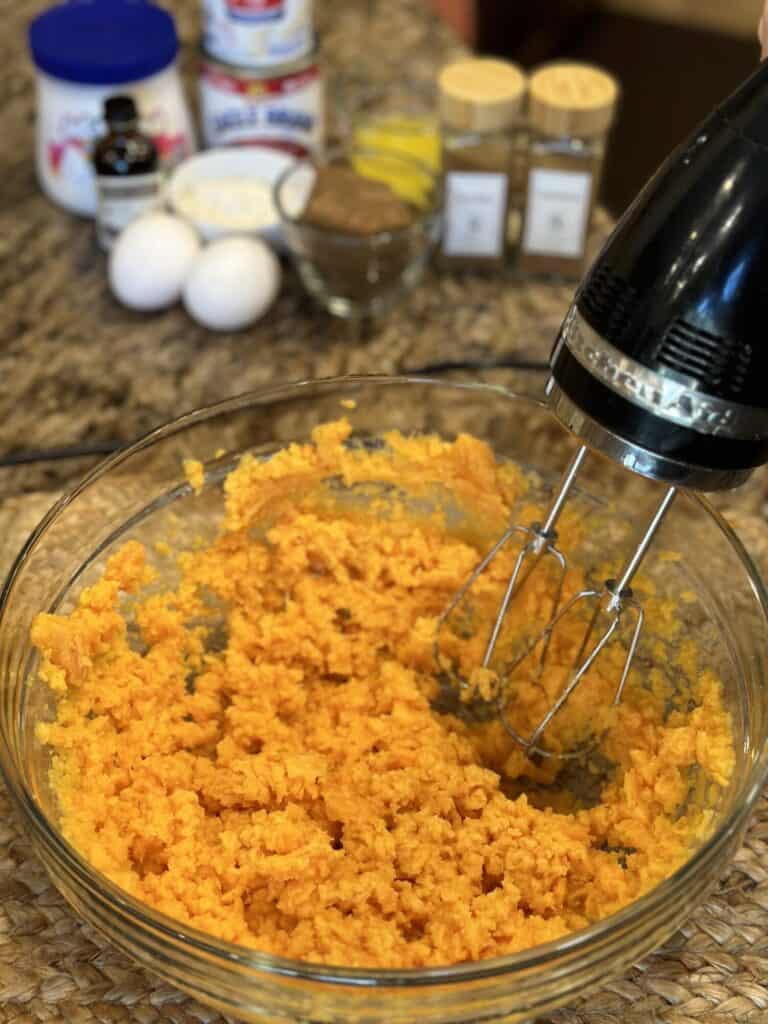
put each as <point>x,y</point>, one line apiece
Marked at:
<point>661,365</point>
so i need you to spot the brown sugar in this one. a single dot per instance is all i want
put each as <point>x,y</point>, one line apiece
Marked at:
<point>344,200</point>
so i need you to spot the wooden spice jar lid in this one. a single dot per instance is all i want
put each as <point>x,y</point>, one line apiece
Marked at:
<point>481,94</point>
<point>572,99</point>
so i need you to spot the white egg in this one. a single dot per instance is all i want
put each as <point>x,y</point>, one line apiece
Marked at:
<point>232,283</point>
<point>150,261</point>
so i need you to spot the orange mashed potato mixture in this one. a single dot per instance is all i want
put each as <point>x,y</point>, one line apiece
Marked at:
<point>254,749</point>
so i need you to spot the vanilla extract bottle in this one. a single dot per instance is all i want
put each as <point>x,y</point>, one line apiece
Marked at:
<point>127,170</point>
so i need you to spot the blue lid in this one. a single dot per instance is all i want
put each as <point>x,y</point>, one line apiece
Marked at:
<point>103,42</point>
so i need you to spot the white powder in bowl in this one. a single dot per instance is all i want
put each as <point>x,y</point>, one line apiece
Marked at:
<point>239,203</point>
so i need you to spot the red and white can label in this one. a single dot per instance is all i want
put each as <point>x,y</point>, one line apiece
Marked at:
<point>283,111</point>
<point>256,10</point>
<point>255,33</point>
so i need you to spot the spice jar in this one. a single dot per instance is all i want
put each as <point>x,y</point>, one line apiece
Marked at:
<point>484,153</point>
<point>570,111</point>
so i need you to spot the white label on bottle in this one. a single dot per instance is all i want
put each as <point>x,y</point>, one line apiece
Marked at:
<point>557,212</point>
<point>474,214</point>
<point>122,199</point>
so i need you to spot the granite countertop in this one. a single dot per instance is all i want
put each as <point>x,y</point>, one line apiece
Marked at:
<point>76,367</point>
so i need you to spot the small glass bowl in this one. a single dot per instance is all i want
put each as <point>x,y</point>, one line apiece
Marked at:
<point>140,492</point>
<point>361,276</point>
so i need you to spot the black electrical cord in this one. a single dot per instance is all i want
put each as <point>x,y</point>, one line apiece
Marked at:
<point>93,448</point>
<point>73,451</point>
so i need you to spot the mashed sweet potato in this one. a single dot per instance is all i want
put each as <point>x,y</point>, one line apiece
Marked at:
<point>256,751</point>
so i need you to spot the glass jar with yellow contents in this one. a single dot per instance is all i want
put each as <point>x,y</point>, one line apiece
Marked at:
<point>400,117</point>
<point>484,146</point>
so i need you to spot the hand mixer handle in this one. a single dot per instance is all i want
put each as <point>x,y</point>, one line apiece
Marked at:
<point>662,361</point>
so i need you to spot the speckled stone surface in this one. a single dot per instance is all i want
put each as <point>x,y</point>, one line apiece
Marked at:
<point>75,367</point>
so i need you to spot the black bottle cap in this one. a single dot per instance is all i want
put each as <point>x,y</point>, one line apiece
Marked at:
<point>120,110</point>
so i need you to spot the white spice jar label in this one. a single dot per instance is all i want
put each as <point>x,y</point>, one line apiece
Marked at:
<point>475,207</point>
<point>557,212</point>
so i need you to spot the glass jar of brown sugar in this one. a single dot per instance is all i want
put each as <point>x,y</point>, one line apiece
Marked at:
<point>570,111</point>
<point>484,152</point>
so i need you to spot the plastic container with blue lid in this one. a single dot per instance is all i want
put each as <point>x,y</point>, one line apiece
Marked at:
<point>85,51</point>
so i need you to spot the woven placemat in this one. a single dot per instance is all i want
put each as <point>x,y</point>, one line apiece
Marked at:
<point>55,969</point>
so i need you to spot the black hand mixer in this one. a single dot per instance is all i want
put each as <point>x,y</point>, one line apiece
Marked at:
<point>662,365</point>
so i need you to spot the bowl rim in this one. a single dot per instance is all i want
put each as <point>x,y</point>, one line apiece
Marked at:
<point>424,219</point>
<point>226,953</point>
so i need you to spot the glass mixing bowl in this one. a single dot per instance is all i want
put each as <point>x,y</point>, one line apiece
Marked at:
<point>134,494</point>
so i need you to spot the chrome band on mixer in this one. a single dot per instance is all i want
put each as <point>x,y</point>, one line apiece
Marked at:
<point>634,457</point>
<point>673,401</point>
